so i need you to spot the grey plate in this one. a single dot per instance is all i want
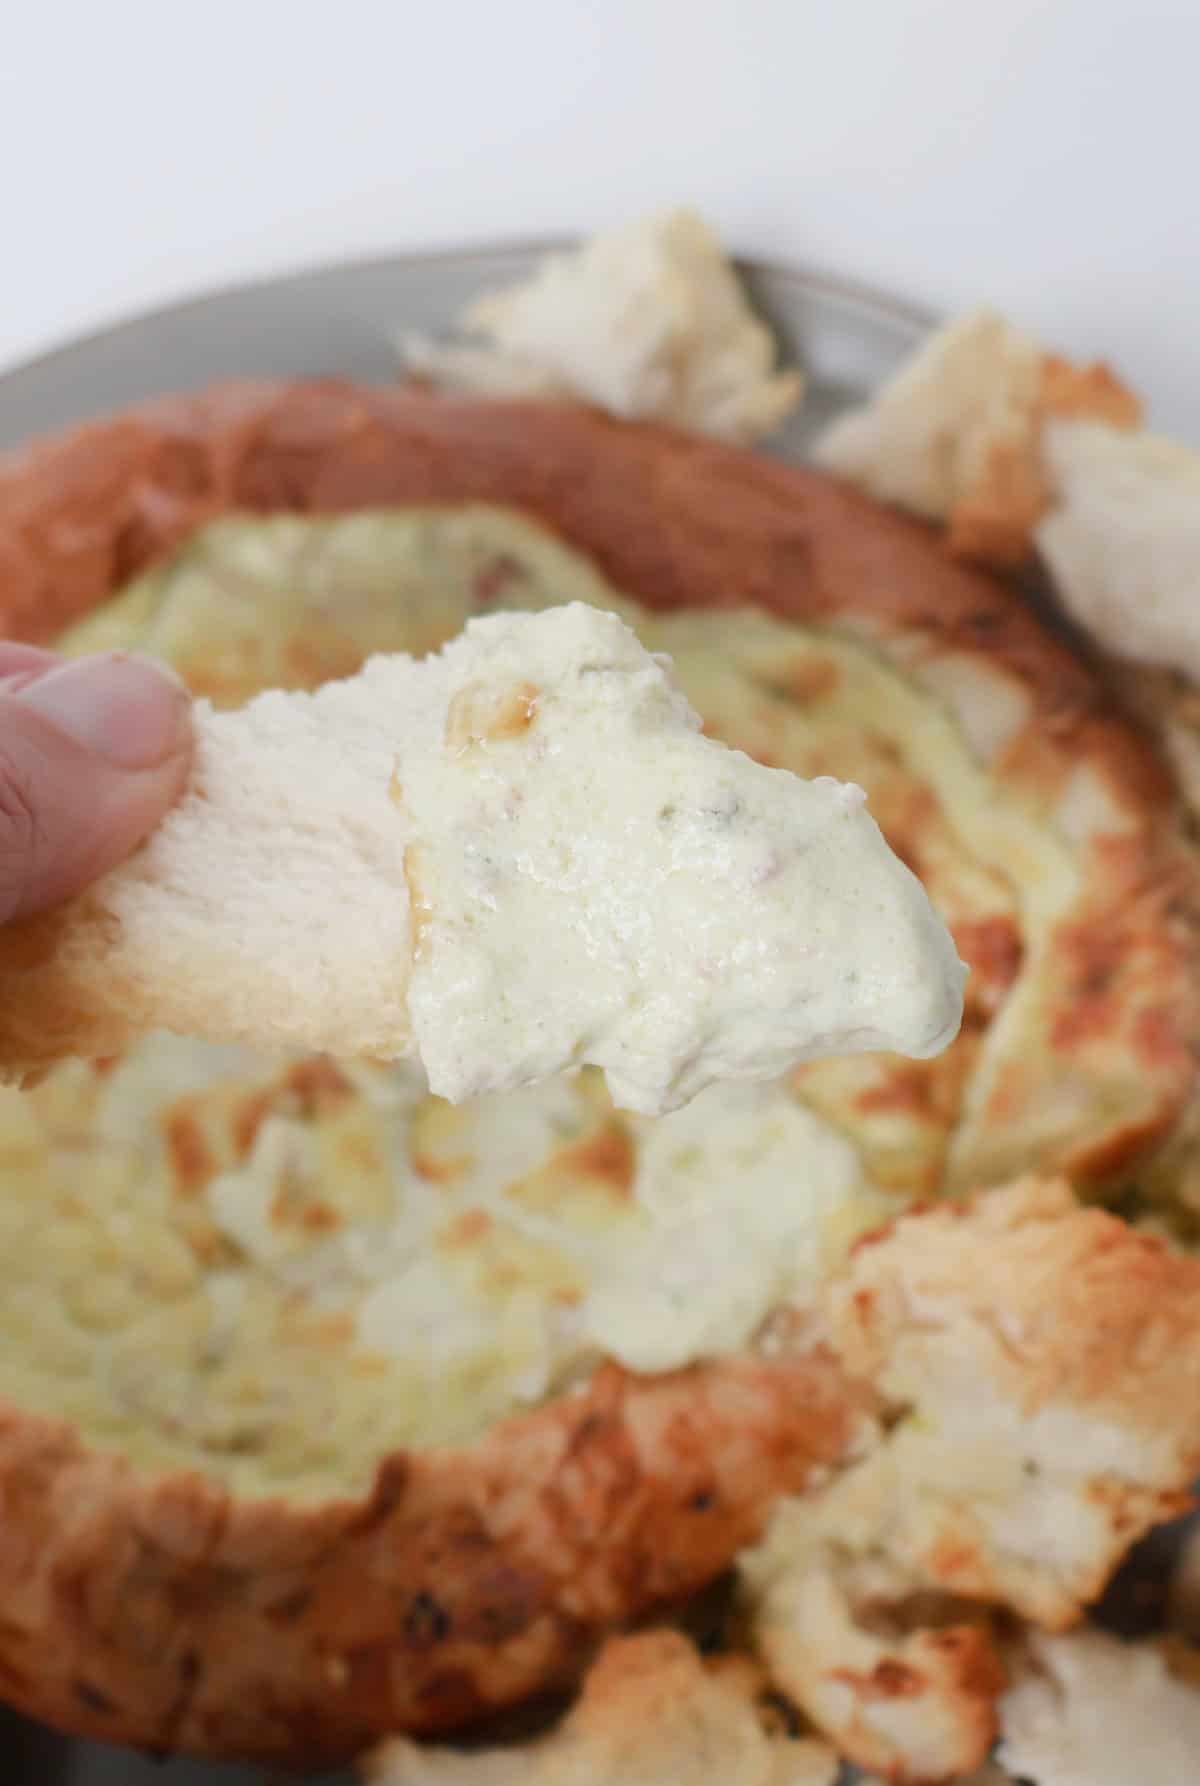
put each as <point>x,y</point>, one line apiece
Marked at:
<point>343,320</point>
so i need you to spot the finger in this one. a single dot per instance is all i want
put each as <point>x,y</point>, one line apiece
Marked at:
<point>24,660</point>
<point>93,751</point>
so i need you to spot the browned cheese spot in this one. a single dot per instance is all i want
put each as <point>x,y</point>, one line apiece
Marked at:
<point>482,714</point>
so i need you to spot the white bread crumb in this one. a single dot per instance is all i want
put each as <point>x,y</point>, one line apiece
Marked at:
<point>957,435</point>
<point>1122,541</point>
<point>651,1713</point>
<point>1088,1710</point>
<point>648,322</point>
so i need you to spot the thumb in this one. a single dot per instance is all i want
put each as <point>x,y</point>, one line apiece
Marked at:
<point>93,751</point>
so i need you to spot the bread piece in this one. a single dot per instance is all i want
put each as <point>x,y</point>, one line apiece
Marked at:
<point>651,1712</point>
<point>1122,541</point>
<point>648,321</point>
<point>956,435</point>
<point>1088,1710</point>
<point>515,858</point>
<point>1040,1364</point>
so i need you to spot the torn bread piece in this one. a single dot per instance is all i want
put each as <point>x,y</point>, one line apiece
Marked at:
<point>1122,542</point>
<point>513,858</point>
<point>651,1712</point>
<point>1122,549</point>
<point>648,322</point>
<point>956,435</point>
<point>1039,1370</point>
<point>990,1774</point>
<point>1087,1709</point>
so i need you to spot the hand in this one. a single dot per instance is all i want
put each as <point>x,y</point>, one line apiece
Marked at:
<point>93,751</point>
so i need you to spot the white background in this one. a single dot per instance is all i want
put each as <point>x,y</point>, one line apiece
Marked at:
<point>1042,155</point>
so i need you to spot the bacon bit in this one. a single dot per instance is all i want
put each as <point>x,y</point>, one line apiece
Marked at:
<point>427,1165</point>
<point>993,949</point>
<point>422,911</point>
<point>482,714</point>
<point>887,1680</point>
<point>191,1157</point>
<point>467,1228</point>
<point>317,1083</point>
<point>1094,952</point>
<point>811,678</point>
<point>608,1156</point>
<point>315,1217</point>
<point>319,1218</point>
<point>495,575</point>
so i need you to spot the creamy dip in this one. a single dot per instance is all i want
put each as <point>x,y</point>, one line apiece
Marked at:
<point>596,882</point>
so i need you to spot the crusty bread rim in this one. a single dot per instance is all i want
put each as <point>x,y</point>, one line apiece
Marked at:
<point>157,1610</point>
<point>82,512</point>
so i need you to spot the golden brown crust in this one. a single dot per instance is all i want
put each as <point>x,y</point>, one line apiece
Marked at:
<point>1038,1366</point>
<point>674,521</point>
<point>992,523</point>
<point>156,1610</point>
<point>1096,1314</point>
<point>650,1708</point>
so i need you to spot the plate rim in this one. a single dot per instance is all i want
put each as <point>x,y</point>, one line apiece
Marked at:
<point>816,280</point>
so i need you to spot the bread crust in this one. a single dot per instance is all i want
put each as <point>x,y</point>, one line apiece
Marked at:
<point>158,1611</point>
<point>153,1608</point>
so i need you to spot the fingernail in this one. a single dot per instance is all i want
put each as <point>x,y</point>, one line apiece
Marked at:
<point>129,710</point>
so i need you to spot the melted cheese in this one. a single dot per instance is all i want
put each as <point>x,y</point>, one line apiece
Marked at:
<point>746,1195</point>
<point>282,1272</point>
<point>427,1267</point>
